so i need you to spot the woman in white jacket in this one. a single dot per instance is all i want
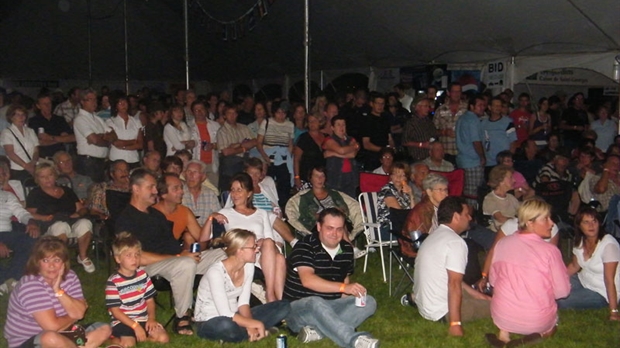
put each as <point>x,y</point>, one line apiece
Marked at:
<point>177,134</point>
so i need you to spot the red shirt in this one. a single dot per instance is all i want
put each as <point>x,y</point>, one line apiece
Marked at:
<point>521,120</point>
<point>205,156</point>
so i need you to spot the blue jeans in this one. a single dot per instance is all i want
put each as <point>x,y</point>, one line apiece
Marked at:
<point>225,329</point>
<point>581,298</point>
<point>335,319</point>
<point>21,244</point>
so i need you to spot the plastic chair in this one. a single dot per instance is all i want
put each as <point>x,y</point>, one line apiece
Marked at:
<point>368,205</point>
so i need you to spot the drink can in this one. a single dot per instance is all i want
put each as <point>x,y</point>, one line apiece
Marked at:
<point>281,341</point>
<point>195,248</point>
<point>41,130</point>
<point>360,301</point>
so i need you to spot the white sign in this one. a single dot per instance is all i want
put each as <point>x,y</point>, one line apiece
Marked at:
<point>569,77</point>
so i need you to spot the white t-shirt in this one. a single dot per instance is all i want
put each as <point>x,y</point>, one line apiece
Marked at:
<point>217,296</point>
<point>124,132</point>
<point>84,125</point>
<point>511,226</point>
<point>442,250</point>
<point>591,275</point>
<point>28,139</point>
<point>380,171</point>
<point>257,222</point>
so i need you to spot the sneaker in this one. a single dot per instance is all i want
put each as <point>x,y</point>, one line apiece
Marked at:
<point>364,341</point>
<point>259,292</point>
<point>4,289</point>
<point>88,265</point>
<point>308,334</point>
<point>408,300</point>
<point>357,253</point>
<point>8,286</point>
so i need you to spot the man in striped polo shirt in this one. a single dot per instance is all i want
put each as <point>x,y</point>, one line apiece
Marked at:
<point>317,283</point>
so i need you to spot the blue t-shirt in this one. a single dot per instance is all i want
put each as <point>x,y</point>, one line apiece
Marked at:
<point>467,132</point>
<point>497,137</point>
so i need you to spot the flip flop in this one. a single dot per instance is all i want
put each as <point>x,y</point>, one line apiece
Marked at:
<point>493,341</point>
<point>527,339</point>
<point>185,330</point>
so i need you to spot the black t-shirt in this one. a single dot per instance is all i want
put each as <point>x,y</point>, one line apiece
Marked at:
<point>245,117</point>
<point>152,229</point>
<point>155,132</point>
<point>309,252</point>
<point>377,128</point>
<point>48,205</point>
<point>354,116</point>
<point>55,126</point>
<point>574,117</point>
<point>312,156</point>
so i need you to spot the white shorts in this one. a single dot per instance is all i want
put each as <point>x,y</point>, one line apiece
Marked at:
<point>77,230</point>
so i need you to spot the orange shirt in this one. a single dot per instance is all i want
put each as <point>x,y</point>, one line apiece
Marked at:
<point>179,220</point>
<point>205,156</point>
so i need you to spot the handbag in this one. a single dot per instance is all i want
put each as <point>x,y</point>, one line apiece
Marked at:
<point>20,144</point>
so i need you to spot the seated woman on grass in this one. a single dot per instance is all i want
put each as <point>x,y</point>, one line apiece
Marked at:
<point>48,300</point>
<point>594,272</point>
<point>222,310</point>
<point>528,275</point>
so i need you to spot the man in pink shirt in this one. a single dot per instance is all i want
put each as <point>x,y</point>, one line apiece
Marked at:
<point>528,275</point>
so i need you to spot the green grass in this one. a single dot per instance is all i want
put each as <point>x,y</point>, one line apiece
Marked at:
<point>393,324</point>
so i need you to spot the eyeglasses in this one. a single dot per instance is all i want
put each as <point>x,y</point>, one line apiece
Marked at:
<point>54,260</point>
<point>255,247</point>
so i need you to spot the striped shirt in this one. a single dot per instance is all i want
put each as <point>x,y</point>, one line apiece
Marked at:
<point>444,119</point>
<point>309,252</point>
<point>33,295</point>
<point>206,203</point>
<point>261,201</point>
<point>228,135</point>
<point>130,294</point>
<point>275,133</point>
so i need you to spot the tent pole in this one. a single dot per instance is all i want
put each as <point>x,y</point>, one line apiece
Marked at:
<point>185,20</point>
<point>90,47</point>
<point>512,73</point>
<point>126,47</point>
<point>307,53</point>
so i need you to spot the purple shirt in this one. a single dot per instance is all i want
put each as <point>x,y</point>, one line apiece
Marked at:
<point>528,275</point>
<point>31,295</point>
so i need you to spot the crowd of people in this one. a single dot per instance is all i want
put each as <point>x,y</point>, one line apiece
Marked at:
<point>241,180</point>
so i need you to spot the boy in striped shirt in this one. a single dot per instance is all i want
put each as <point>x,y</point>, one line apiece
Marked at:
<point>129,297</point>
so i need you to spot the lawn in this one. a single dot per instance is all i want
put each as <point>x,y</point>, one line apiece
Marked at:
<point>393,324</point>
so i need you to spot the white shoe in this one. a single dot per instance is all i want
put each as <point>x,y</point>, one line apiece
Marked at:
<point>364,341</point>
<point>372,250</point>
<point>259,292</point>
<point>8,286</point>
<point>88,265</point>
<point>357,253</point>
<point>308,334</point>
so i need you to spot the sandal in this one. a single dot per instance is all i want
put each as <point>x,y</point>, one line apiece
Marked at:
<point>527,339</point>
<point>185,330</point>
<point>494,341</point>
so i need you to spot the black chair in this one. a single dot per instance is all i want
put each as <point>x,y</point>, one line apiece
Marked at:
<point>406,263</point>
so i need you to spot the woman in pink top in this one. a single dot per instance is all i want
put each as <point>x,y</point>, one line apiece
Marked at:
<point>528,275</point>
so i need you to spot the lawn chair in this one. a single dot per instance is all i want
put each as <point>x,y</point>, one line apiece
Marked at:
<point>371,182</point>
<point>406,263</point>
<point>456,181</point>
<point>368,206</point>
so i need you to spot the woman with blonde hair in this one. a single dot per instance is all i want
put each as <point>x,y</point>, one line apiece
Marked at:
<point>527,275</point>
<point>48,300</point>
<point>222,310</point>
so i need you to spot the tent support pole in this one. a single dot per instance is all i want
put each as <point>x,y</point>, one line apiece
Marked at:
<point>185,20</point>
<point>90,46</point>
<point>307,54</point>
<point>126,47</point>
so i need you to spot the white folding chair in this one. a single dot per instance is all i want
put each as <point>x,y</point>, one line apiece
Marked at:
<point>368,205</point>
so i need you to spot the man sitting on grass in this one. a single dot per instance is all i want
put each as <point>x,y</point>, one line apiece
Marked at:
<point>317,283</point>
<point>438,289</point>
<point>130,297</point>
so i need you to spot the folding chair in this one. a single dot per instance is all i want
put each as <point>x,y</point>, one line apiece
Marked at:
<point>406,263</point>
<point>371,182</point>
<point>368,206</point>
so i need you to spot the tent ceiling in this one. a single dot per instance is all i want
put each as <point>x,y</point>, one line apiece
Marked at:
<point>39,41</point>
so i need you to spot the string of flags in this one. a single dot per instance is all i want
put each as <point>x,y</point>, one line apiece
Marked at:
<point>235,29</point>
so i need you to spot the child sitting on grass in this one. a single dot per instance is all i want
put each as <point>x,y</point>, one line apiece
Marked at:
<point>129,297</point>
